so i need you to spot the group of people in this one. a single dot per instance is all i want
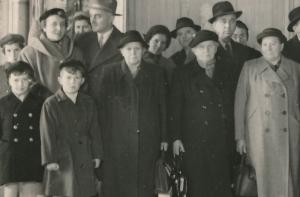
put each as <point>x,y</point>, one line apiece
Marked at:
<point>92,103</point>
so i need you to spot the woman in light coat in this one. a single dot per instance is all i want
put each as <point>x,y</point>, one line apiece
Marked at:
<point>267,117</point>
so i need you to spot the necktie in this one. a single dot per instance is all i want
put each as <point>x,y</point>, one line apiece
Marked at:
<point>275,67</point>
<point>100,41</point>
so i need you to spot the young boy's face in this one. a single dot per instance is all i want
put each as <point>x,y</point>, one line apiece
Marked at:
<point>11,52</point>
<point>70,81</point>
<point>19,83</point>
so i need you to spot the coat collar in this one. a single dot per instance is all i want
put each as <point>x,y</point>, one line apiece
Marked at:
<point>61,96</point>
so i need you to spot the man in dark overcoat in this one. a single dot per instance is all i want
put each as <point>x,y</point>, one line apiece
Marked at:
<point>292,46</point>
<point>224,23</point>
<point>133,116</point>
<point>100,46</point>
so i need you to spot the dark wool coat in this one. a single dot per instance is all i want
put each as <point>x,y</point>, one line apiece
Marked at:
<point>179,57</point>
<point>70,136</point>
<point>197,119</point>
<point>292,48</point>
<point>20,153</point>
<point>134,121</point>
<point>97,58</point>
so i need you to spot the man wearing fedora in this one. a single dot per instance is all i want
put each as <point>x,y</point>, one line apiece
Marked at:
<point>224,23</point>
<point>292,47</point>
<point>184,33</point>
<point>100,46</point>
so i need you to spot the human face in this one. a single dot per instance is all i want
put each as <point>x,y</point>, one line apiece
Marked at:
<point>205,51</point>
<point>82,26</point>
<point>224,26</point>
<point>158,44</point>
<point>55,28</point>
<point>11,52</point>
<point>240,35</point>
<point>185,35</point>
<point>101,20</point>
<point>70,82</point>
<point>271,48</point>
<point>19,84</point>
<point>132,53</point>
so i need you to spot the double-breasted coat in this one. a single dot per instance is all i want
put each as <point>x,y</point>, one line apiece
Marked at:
<point>292,48</point>
<point>70,137</point>
<point>197,119</point>
<point>267,117</point>
<point>96,58</point>
<point>134,121</point>
<point>20,153</point>
<point>45,56</point>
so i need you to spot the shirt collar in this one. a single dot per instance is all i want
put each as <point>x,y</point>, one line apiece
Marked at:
<point>105,35</point>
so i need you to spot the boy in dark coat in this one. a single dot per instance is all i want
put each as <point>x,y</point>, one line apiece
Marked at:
<point>20,156</point>
<point>70,137</point>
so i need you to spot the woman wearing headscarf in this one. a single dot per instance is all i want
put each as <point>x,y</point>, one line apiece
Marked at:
<point>46,52</point>
<point>197,112</point>
<point>158,38</point>
<point>267,117</point>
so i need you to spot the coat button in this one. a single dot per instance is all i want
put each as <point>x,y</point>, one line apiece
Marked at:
<point>16,140</point>
<point>15,115</point>
<point>205,122</point>
<point>201,91</point>
<point>30,115</point>
<point>267,130</point>
<point>204,107</point>
<point>267,113</point>
<point>31,139</point>
<point>284,129</point>
<point>283,112</point>
<point>219,105</point>
<point>15,127</point>
<point>138,131</point>
<point>30,127</point>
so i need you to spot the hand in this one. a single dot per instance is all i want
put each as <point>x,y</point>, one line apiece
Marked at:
<point>177,147</point>
<point>52,166</point>
<point>96,163</point>
<point>164,146</point>
<point>241,147</point>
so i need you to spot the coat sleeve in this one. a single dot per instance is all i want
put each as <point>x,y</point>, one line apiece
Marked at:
<point>241,98</point>
<point>48,135</point>
<point>96,136</point>
<point>176,102</point>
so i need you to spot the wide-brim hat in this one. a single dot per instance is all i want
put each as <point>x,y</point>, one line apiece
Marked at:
<point>223,8</point>
<point>106,5</point>
<point>51,12</point>
<point>12,38</point>
<point>294,17</point>
<point>184,22</point>
<point>271,32</point>
<point>132,36</point>
<point>203,35</point>
<point>158,29</point>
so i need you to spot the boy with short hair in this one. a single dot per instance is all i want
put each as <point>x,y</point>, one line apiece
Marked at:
<point>70,136</point>
<point>20,155</point>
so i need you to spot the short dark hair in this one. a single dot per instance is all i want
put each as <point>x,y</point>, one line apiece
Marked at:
<point>80,18</point>
<point>242,25</point>
<point>21,45</point>
<point>19,67</point>
<point>72,66</point>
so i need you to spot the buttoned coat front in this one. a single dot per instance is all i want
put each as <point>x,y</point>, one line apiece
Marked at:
<point>71,137</point>
<point>267,117</point>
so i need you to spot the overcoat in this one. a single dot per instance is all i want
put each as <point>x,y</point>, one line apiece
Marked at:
<point>267,117</point>
<point>45,57</point>
<point>70,136</point>
<point>20,153</point>
<point>134,121</point>
<point>4,87</point>
<point>197,119</point>
<point>96,58</point>
<point>291,49</point>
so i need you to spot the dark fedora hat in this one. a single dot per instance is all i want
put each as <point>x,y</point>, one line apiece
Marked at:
<point>12,38</point>
<point>158,29</point>
<point>106,5</point>
<point>53,11</point>
<point>132,36</point>
<point>203,35</point>
<point>223,8</point>
<point>184,22</point>
<point>294,17</point>
<point>271,32</point>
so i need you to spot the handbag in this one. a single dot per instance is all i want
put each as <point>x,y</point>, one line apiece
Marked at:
<point>179,184</point>
<point>246,185</point>
<point>162,175</point>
